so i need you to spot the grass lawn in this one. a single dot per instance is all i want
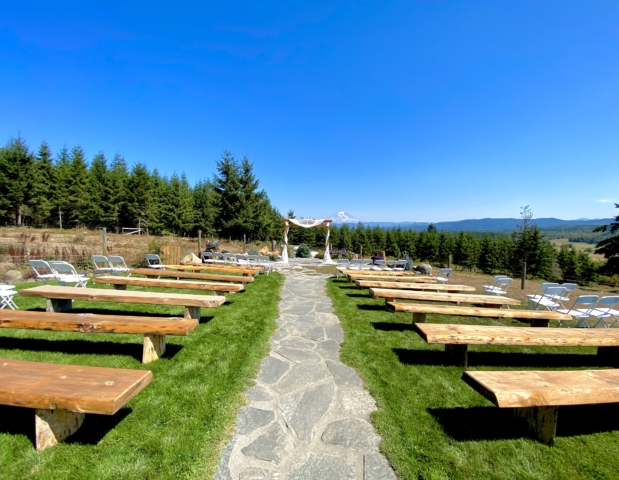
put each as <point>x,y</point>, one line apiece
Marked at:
<point>435,426</point>
<point>177,426</point>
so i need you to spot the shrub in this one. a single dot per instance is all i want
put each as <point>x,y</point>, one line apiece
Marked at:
<point>253,251</point>
<point>154,247</point>
<point>304,251</point>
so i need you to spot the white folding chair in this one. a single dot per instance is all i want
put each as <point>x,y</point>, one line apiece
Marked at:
<point>242,260</point>
<point>541,291</point>
<point>118,264</point>
<point>493,283</point>
<point>606,309</point>
<point>569,289</point>
<point>68,274</point>
<point>101,264</point>
<point>501,286</point>
<point>355,264</point>
<point>265,261</point>
<point>42,266</point>
<point>400,265</point>
<point>366,264</point>
<point>7,292</point>
<point>218,257</point>
<point>341,264</point>
<point>549,299</point>
<point>446,272</point>
<point>379,265</point>
<point>580,310</point>
<point>154,261</point>
<point>207,257</point>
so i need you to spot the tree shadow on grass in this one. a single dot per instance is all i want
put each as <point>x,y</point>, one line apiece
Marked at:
<point>390,327</point>
<point>505,359</point>
<point>81,347</point>
<point>492,423</point>
<point>20,421</point>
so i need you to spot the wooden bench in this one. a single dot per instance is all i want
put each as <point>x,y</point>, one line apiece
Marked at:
<point>120,283</point>
<point>414,286</point>
<point>536,395</point>
<point>209,267</point>
<point>151,272</point>
<point>62,394</point>
<point>387,273</point>
<point>537,318</point>
<point>154,329</point>
<point>60,299</point>
<point>456,338</point>
<point>351,277</point>
<point>490,301</point>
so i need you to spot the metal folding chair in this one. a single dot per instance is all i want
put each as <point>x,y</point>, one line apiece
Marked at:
<point>578,313</point>
<point>446,272</point>
<point>42,266</point>
<point>68,274</point>
<point>549,299</point>
<point>7,292</point>
<point>154,261</point>
<point>605,310</point>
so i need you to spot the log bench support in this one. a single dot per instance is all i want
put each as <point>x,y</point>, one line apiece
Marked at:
<point>53,426</point>
<point>457,355</point>
<point>58,305</point>
<point>611,354</point>
<point>419,317</point>
<point>536,322</point>
<point>120,287</point>
<point>192,312</point>
<point>154,348</point>
<point>541,422</point>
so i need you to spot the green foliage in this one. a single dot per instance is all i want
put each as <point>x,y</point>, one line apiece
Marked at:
<point>154,246</point>
<point>253,251</point>
<point>303,251</point>
<point>610,246</point>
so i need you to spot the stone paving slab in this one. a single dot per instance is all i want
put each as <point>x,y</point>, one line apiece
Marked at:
<point>308,415</point>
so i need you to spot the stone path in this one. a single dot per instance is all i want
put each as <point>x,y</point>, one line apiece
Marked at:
<point>308,415</point>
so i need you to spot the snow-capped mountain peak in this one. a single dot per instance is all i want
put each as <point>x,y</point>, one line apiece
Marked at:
<point>343,217</point>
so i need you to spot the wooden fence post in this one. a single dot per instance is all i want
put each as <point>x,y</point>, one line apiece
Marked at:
<point>104,241</point>
<point>200,243</point>
<point>524,275</point>
<point>244,244</point>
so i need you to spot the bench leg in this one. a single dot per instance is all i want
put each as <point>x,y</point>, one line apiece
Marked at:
<point>192,312</point>
<point>387,300</point>
<point>538,322</point>
<point>457,355</point>
<point>53,426</point>
<point>58,305</point>
<point>541,421</point>
<point>120,287</point>
<point>419,317</point>
<point>154,348</point>
<point>611,354</point>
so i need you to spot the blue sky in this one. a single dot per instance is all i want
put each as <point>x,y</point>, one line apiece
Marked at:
<point>392,111</point>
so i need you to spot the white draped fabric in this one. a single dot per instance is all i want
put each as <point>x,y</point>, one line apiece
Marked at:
<point>307,223</point>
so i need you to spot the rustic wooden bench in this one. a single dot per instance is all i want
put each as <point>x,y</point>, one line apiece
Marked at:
<point>536,395</point>
<point>120,283</point>
<point>386,273</point>
<point>456,338</point>
<point>208,267</point>
<point>490,301</point>
<point>150,272</point>
<point>62,394</point>
<point>537,318</point>
<point>154,329</point>
<point>351,277</point>
<point>60,299</point>
<point>436,287</point>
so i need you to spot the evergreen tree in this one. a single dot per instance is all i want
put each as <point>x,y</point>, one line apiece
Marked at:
<point>63,183</point>
<point>182,217</point>
<point>139,197</point>
<point>119,177</point>
<point>100,211</point>
<point>227,186</point>
<point>16,173</point>
<point>79,195</point>
<point>205,204</point>
<point>42,201</point>
<point>609,247</point>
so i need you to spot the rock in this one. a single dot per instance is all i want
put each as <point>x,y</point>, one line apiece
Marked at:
<point>263,251</point>
<point>258,394</point>
<point>302,411</point>
<point>356,402</point>
<point>298,355</point>
<point>271,369</point>
<point>254,473</point>
<point>376,467</point>
<point>223,470</point>
<point>335,332</point>
<point>316,333</point>
<point>299,376</point>
<point>353,434</point>
<point>297,342</point>
<point>191,259</point>
<point>251,419</point>
<point>344,375</point>
<point>320,465</point>
<point>269,447</point>
<point>424,269</point>
<point>328,349</point>
<point>12,277</point>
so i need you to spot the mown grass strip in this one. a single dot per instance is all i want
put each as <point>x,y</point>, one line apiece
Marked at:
<point>176,427</point>
<point>435,426</point>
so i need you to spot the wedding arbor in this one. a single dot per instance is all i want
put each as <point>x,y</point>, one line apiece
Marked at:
<point>307,223</point>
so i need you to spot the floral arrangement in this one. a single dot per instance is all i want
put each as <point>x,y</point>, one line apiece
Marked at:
<point>211,246</point>
<point>341,253</point>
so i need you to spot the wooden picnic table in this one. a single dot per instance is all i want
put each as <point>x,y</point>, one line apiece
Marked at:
<point>436,287</point>
<point>154,329</point>
<point>456,338</point>
<point>62,394</point>
<point>60,299</point>
<point>178,274</point>
<point>490,301</point>
<point>120,283</point>
<point>537,318</point>
<point>536,395</point>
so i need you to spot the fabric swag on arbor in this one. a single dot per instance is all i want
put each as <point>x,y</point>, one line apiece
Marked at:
<point>307,223</point>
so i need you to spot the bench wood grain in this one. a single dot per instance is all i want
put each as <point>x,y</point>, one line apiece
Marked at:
<point>120,283</point>
<point>491,301</point>
<point>536,395</point>
<point>214,267</point>
<point>154,329</point>
<point>537,318</point>
<point>62,394</point>
<point>456,338</point>
<point>351,277</point>
<point>149,272</point>
<point>414,286</point>
<point>59,299</point>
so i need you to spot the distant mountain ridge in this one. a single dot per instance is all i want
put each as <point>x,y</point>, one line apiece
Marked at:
<point>482,224</point>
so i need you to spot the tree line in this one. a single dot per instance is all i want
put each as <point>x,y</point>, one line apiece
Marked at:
<point>69,191</point>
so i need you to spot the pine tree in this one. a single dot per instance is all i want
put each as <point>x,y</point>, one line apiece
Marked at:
<point>100,211</point>
<point>79,195</point>
<point>227,186</point>
<point>119,177</point>
<point>17,169</point>
<point>139,197</point>
<point>63,182</point>
<point>609,247</point>
<point>42,201</point>
<point>206,211</point>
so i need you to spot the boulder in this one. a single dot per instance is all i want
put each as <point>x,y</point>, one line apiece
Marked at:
<point>263,251</point>
<point>424,269</point>
<point>12,277</point>
<point>191,259</point>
